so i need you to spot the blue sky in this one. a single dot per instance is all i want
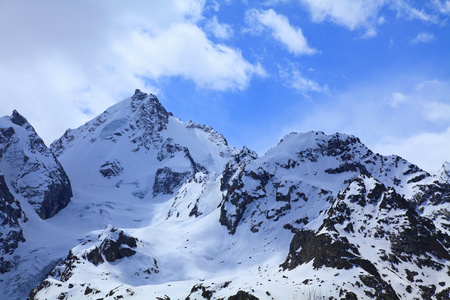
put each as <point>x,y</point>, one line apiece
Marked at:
<point>253,70</point>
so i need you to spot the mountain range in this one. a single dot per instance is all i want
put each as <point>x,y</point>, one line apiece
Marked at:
<point>137,204</point>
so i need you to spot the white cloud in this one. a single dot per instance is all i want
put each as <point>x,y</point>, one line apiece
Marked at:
<point>60,52</point>
<point>352,14</point>
<point>423,37</point>
<point>437,111</point>
<point>442,7</point>
<point>405,10</point>
<point>417,128</point>
<point>184,50</point>
<point>397,98</point>
<point>220,31</point>
<point>294,79</point>
<point>282,30</point>
<point>436,144</point>
<point>365,14</point>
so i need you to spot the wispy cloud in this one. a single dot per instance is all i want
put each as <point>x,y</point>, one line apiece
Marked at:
<point>367,14</point>
<point>423,37</point>
<point>412,123</point>
<point>406,10</point>
<point>397,99</point>
<point>219,30</point>
<point>291,37</point>
<point>414,147</point>
<point>294,79</point>
<point>352,14</point>
<point>443,7</point>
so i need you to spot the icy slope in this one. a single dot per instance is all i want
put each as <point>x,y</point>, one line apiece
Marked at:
<point>132,156</point>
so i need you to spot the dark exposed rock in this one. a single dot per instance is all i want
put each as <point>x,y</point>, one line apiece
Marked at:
<point>242,295</point>
<point>10,215</point>
<point>435,193</point>
<point>151,119</point>
<point>234,168</point>
<point>43,285</point>
<point>235,203</point>
<point>194,211</point>
<point>347,295</point>
<point>111,169</point>
<point>169,149</point>
<point>349,167</point>
<point>56,197</point>
<point>205,292</point>
<point>427,291</point>
<point>415,239</point>
<point>27,155</point>
<point>383,290</point>
<point>11,234</point>
<point>410,275</point>
<point>337,146</point>
<point>417,178</point>
<point>339,254</point>
<point>167,180</point>
<point>116,246</point>
<point>443,295</point>
<point>95,256</point>
<point>18,119</point>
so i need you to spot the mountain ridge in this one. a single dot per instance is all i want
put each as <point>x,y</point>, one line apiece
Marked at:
<point>165,208</point>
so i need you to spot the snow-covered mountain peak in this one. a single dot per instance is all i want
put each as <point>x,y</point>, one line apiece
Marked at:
<point>20,120</point>
<point>138,119</point>
<point>139,150</point>
<point>30,168</point>
<point>315,143</point>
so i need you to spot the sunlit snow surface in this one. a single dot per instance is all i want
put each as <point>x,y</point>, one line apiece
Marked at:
<point>178,230</point>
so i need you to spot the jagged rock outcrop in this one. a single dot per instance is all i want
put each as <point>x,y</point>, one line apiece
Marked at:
<point>111,246</point>
<point>369,209</point>
<point>444,172</point>
<point>11,234</point>
<point>31,168</point>
<point>142,127</point>
<point>304,166</point>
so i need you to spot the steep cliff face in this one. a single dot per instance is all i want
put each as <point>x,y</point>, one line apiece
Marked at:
<point>304,167</point>
<point>11,234</point>
<point>371,227</point>
<point>31,169</point>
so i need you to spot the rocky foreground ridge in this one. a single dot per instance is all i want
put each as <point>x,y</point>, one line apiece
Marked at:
<point>138,204</point>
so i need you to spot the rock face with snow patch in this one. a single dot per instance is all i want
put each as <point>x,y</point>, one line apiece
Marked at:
<point>111,246</point>
<point>30,168</point>
<point>366,208</point>
<point>307,166</point>
<point>11,234</point>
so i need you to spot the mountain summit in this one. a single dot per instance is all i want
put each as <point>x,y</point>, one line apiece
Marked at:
<point>166,209</point>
